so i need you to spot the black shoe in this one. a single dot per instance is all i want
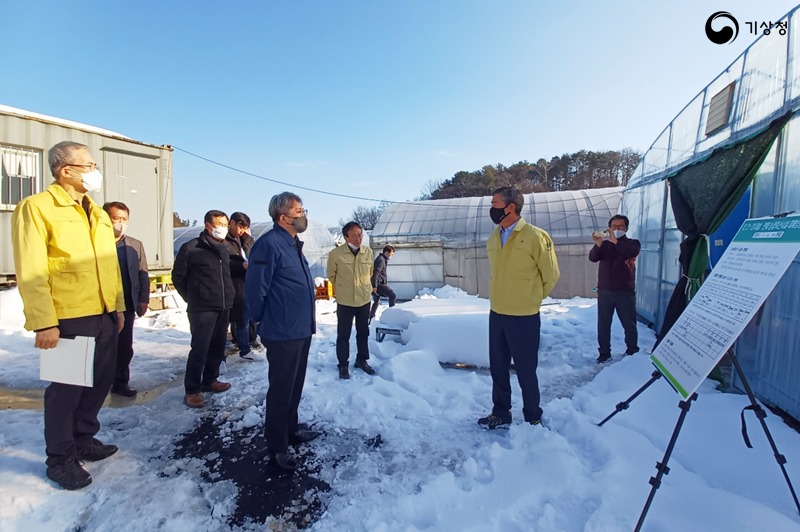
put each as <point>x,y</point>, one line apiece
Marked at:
<point>535,422</point>
<point>124,390</point>
<point>303,436</point>
<point>69,475</point>
<point>96,451</point>
<point>365,367</point>
<point>344,373</point>
<point>604,357</point>
<point>285,460</point>
<point>632,351</point>
<point>492,421</point>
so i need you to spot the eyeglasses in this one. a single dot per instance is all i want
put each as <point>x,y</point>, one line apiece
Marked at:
<point>93,166</point>
<point>304,212</point>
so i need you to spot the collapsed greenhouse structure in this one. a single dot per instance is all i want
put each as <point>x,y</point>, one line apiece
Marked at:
<point>732,153</point>
<point>442,242</point>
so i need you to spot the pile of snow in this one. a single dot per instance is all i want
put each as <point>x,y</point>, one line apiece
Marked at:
<point>11,315</point>
<point>445,292</point>
<point>434,468</point>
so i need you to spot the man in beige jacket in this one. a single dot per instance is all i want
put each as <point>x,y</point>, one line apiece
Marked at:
<point>350,271</point>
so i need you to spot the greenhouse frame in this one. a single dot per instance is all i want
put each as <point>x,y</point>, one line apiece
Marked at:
<point>441,242</point>
<point>732,153</point>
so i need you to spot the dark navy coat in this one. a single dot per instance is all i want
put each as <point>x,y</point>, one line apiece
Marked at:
<point>279,289</point>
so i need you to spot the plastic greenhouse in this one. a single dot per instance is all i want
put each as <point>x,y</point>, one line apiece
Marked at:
<point>442,242</point>
<point>733,152</point>
<point>317,240</point>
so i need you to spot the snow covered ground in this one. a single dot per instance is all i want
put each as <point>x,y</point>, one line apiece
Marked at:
<point>402,450</point>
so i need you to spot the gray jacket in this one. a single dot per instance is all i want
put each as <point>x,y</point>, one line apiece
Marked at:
<point>379,276</point>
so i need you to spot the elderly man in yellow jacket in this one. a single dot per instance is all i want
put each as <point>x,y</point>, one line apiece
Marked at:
<point>350,272</point>
<point>69,279</point>
<point>524,270</point>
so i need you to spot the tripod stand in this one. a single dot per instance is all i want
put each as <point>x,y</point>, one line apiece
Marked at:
<point>662,467</point>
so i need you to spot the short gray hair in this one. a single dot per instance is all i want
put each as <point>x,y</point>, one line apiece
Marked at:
<point>511,195</point>
<point>281,203</point>
<point>60,155</point>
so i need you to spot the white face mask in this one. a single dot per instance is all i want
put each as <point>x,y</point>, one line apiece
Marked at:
<point>219,232</point>
<point>92,181</point>
<point>619,233</point>
<point>120,228</point>
<point>354,248</point>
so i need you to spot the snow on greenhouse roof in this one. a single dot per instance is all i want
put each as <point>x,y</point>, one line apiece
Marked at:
<point>569,216</point>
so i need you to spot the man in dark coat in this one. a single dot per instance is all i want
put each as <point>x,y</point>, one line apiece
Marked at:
<point>616,285</point>
<point>279,292</point>
<point>202,277</point>
<point>136,285</point>
<point>380,281</point>
<point>239,244</point>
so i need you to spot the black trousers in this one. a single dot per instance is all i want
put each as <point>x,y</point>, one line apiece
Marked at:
<point>209,331</point>
<point>384,290</point>
<point>70,412</point>
<point>287,374</point>
<point>514,338</point>
<point>345,316</point>
<point>624,302</point>
<point>125,351</point>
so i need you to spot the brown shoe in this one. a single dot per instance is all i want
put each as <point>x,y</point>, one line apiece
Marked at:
<point>216,387</point>
<point>194,400</point>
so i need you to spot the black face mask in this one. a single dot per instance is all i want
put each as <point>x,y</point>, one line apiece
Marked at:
<point>497,214</point>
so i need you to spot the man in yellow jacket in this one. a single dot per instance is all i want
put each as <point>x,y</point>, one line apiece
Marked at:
<point>524,271</point>
<point>350,272</point>
<point>69,279</point>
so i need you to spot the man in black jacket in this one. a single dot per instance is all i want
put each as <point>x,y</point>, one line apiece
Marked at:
<point>616,285</point>
<point>136,285</point>
<point>202,277</point>
<point>380,280</point>
<point>239,244</point>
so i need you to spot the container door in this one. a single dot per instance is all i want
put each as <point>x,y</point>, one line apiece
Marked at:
<point>133,180</point>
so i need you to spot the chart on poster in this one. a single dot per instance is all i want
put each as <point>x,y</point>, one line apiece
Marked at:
<point>745,275</point>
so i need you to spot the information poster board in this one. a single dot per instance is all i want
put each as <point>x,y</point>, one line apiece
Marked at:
<point>754,262</point>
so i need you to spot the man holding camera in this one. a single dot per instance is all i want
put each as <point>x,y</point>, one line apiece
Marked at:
<point>616,284</point>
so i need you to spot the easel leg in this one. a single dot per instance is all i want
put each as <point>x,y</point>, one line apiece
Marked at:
<point>626,403</point>
<point>661,467</point>
<point>761,415</point>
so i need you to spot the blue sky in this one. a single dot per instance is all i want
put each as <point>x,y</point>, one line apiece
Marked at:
<point>362,98</point>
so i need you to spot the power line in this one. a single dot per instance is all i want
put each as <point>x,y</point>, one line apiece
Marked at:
<point>348,196</point>
<point>292,185</point>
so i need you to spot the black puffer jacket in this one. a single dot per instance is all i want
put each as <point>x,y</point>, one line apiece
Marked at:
<point>202,274</point>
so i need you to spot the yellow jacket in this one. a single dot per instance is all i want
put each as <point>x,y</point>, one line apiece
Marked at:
<point>350,275</point>
<point>65,267</point>
<point>523,272</point>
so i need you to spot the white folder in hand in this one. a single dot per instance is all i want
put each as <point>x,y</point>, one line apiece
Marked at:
<point>69,362</point>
